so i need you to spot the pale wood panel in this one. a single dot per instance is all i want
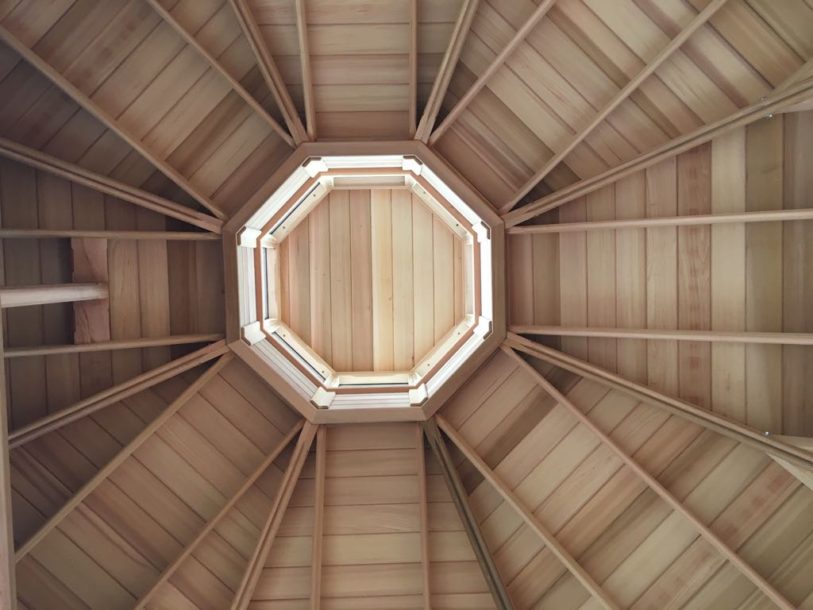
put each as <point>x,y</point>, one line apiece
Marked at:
<point>371,284</point>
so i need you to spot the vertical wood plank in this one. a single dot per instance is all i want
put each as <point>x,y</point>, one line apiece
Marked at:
<point>341,282</point>
<point>8,593</point>
<point>299,266</point>
<point>545,279</point>
<point>601,276</point>
<point>381,222</point>
<point>402,281</point>
<point>153,280</point>
<point>320,289</point>
<point>443,271</point>
<point>573,277</point>
<point>361,277</point>
<point>520,279</point>
<point>424,283</point>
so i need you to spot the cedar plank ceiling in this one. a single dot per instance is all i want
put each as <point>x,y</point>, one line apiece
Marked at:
<point>642,439</point>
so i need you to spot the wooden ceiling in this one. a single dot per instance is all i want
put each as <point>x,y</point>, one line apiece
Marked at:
<point>642,439</point>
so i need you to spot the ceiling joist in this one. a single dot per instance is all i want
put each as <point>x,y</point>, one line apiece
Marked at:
<point>46,294</point>
<point>210,525</point>
<point>126,451</point>
<point>712,538</point>
<point>423,507</point>
<point>101,346</point>
<point>318,518</point>
<point>96,110</point>
<point>269,70</point>
<point>8,588</point>
<point>711,336</point>
<point>413,67</point>
<point>121,235</point>
<point>305,63</point>
<point>547,537</point>
<point>519,37</point>
<point>249,99</point>
<point>664,54</point>
<point>99,182</point>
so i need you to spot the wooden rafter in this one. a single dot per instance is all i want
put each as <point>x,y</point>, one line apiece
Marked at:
<point>467,517</point>
<point>446,70</point>
<point>307,72</point>
<point>126,451</point>
<point>424,517</point>
<point>527,515</point>
<point>96,110</point>
<point>128,235</point>
<point>8,590</point>
<point>665,221</point>
<point>269,70</point>
<point>727,552</point>
<point>519,37</point>
<point>711,336</point>
<point>252,574</point>
<point>45,294</point>
<point>318,518</point>
<point>753,438</point>
<point>109,186</point>
<point>101,346</point>
<point>413,67</point>
<point>216,65</point>
<point>167,573</point>
<point>110,396</point>
<point>700,19</point>
<point>741,118</point>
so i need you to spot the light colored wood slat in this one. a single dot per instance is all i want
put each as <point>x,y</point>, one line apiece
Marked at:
<point>750,573</point>
<point>50,350</point>
<point>716,336</point>
<point>458,493</point>
<point>167,573</point>
<point>214,63</point>
<point>424,517</point>
<point>269,70</point>
<point>527,515</point>
<point>26,296</point>
<point>8,589</point>
<point>318,518</point>
<point>664,54</point>
<point>119,458</point>
<point>413,67</point>
<point>96,110</point>
<point>130,235</point>
<point>496,64</point>
<point>104,184</point>
<point>745,116</point>
<point>115,394</point>
<point>765,443</point>
<point>305,64</point>
<point>381,223</point>
<point>447,67</point>
<point>256,564</point>
<point>667,221</point>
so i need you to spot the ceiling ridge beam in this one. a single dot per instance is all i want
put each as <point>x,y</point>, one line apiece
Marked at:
<point>665,53</point>
<point>460,498</point>
<point>100,346</point>
<point>249,99</point>
<point>251,576</point>
<point>413,68</point>
<point>104,184</point>
<point>305,65</point>
<point>269,70</point>
<point>109,235</point>
<point>86,102</point>
<point>110,396</point>
<point>759,440</point>
<point>519,37</point>
<point>460,33</point>
<point>125,452</point>
<point>216,519</point>
<point>318,518</point>
<point>531,520</point>
<point>8,585</point>
<point>710,336</point>
<point>786,215</point>
<point>704,530</point>
<point>763,108</point>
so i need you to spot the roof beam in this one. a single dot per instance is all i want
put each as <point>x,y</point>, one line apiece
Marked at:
<point>424,516</point>
<point>531,520</point>
<point>269,70</point>
<point>467,517</point>
<point>110,396</point>
<point>46,294</point>
<point>249,99</point>
<point>307,72</point>
<point>444,76</point>
<point>96,110</point>
<point>759,110</point>
<point>806,443</point>
<point>711,336</point>
<point>8,589</point>
<point>101,346</point>
<point>665,221</point>
<point>252,574</point>
<point>496,64</point>
<point>665,53</point>
<point>727,552</point>
<point>318,518</point>
<point>128,235</point>
<point>108,186</point>
<point>216,519</point>
<point>413,67</point>
<point>126,451</point>
<point>762,441</point>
